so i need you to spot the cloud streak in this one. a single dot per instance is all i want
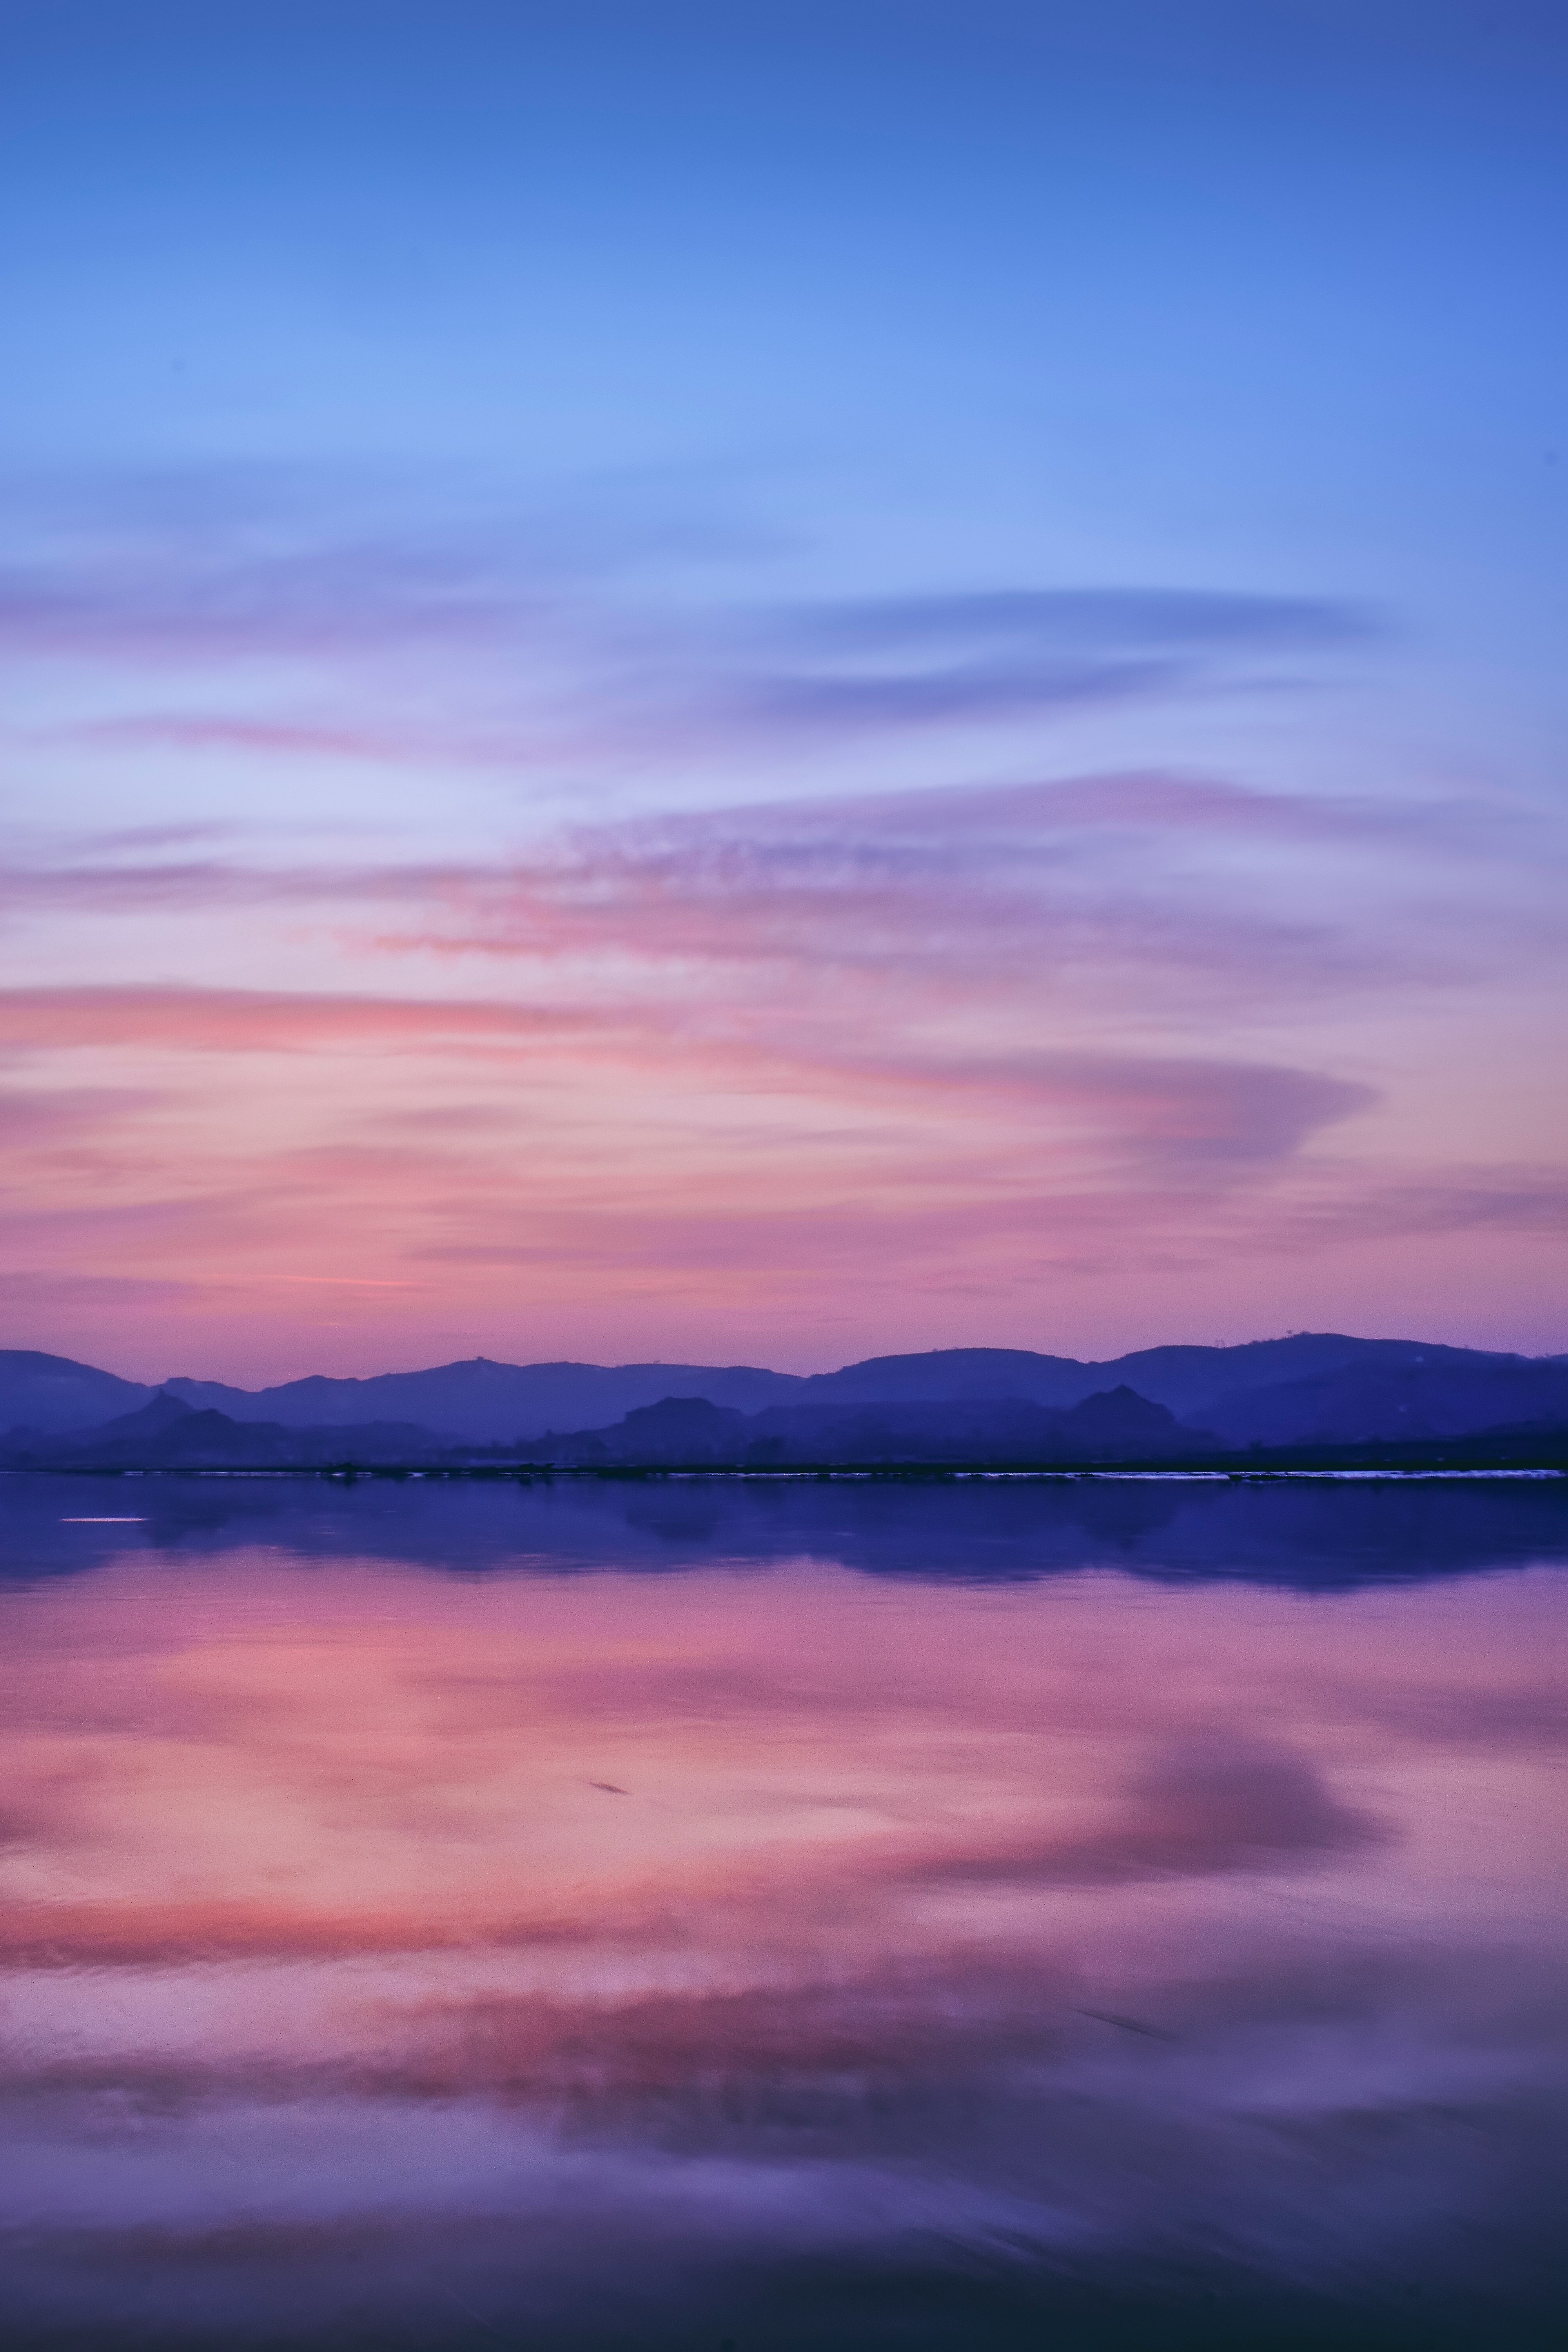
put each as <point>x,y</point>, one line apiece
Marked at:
<point>991,1040</point>
<point>550,645</point>
<point>831,1029</point>
<point>1169,1112</point>
<point>236,1021</point>
<point>907,661</point>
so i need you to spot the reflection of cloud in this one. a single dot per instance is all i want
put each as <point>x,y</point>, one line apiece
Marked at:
<point>131,1935</point>
<point>1211,1804</point>
<point>1204,1807</point>
<point>331,1978</point>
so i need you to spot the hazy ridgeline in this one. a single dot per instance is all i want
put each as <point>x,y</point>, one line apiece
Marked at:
<point>1314,1395</point>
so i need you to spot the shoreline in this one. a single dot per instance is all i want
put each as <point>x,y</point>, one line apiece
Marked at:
<point>889,1474</point>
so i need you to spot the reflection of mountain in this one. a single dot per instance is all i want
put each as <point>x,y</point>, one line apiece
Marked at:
<point>1307,1534</point>
<point>1285,1391</point>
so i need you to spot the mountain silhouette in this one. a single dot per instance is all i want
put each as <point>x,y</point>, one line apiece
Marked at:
<point>1308,1391</point>
<point>691,1432</point>
<point>169,1434</point>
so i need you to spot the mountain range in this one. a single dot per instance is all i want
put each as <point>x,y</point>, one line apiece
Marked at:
<point>1311,1391</point>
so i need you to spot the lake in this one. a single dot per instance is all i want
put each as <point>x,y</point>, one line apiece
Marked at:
<point>769,1913</point>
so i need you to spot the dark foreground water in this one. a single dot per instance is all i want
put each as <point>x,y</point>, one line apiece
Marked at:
<point>699,1913</point>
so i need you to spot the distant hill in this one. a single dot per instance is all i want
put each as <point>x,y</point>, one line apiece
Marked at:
<point>1311,1389</point>
<point>1446,1396</point>
<point>1185,1380</point>
<point>1113,1426</point>
<point>50,1392</point>
<point>169,1434</point>
<point>494,1403</point>
<point>491,1403</point>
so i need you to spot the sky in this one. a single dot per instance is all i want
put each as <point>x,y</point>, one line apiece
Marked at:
<point>773,683</point>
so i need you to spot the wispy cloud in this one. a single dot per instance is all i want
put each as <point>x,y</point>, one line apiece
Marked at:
<point>204,569</point>
<point>956,890</point>
<point>230,1021</point>
<point>1007,1036</point>
<point>791,1041</point>
<point>907,661</point>
<point>1205,1116</point>
<point>531,636</point>
<point>1073,621</point>
<point>986,889</point>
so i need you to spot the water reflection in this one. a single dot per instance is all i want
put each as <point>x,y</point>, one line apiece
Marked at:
<point>1309,1534</point>
<point>1121,1917</point>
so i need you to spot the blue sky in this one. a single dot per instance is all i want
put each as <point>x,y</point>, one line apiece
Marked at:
<point>431,433</point>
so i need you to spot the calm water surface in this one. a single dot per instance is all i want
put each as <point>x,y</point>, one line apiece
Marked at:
<point>782,1913</point>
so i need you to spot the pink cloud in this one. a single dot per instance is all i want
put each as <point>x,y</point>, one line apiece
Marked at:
<point>954,891</point>
<point>912,1062</point>
<point>193,732</point>
<point>230,1021</point>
